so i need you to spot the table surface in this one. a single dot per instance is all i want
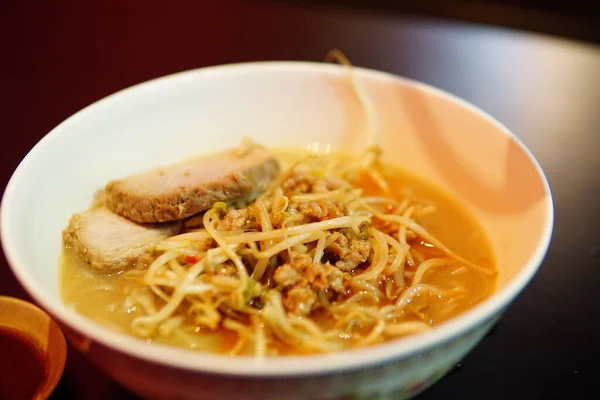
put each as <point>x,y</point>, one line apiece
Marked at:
<point>545,89</point>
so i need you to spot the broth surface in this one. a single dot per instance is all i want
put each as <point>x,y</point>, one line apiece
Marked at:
<point>101,297</point>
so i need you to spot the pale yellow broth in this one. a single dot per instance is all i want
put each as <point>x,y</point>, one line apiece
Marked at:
<point>101,297</point>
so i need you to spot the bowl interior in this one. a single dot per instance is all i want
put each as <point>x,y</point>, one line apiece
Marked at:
<point>430,133</point>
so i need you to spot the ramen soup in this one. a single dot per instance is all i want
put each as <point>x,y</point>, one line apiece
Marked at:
<point>260,252</point>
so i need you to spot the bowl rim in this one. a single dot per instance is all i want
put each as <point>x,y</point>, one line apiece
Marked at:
<point>319,364</point>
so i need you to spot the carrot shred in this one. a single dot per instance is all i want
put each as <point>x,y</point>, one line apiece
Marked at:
<point>190,259</point>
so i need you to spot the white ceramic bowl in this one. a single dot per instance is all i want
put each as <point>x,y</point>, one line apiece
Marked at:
<point>431,133</point>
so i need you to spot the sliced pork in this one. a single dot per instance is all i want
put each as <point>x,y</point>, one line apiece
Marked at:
<point>180,190</point>
<point>108,241</point>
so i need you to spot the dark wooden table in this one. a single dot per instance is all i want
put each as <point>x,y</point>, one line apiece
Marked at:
<point>56,60</point>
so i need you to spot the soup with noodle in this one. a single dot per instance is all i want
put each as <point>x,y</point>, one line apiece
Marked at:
<point>336,252</point>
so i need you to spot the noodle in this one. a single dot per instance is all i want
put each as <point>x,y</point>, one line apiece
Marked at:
<point>381,256</point>
<point>352,270</point>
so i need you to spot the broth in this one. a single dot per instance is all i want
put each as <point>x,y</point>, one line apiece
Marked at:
<point>101,297</point>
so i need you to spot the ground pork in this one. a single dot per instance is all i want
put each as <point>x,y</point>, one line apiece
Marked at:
<point>301,279</point>
<point>350,253</point>
<point>302,182</point>
<point>286,275</point>
<point>324,277</point>
<point>322,210</point>
<point>235,219</point>
<point>298,182</point>
<point>300,300</point>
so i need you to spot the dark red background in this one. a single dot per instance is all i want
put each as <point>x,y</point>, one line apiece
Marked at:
<point>57,57</point>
